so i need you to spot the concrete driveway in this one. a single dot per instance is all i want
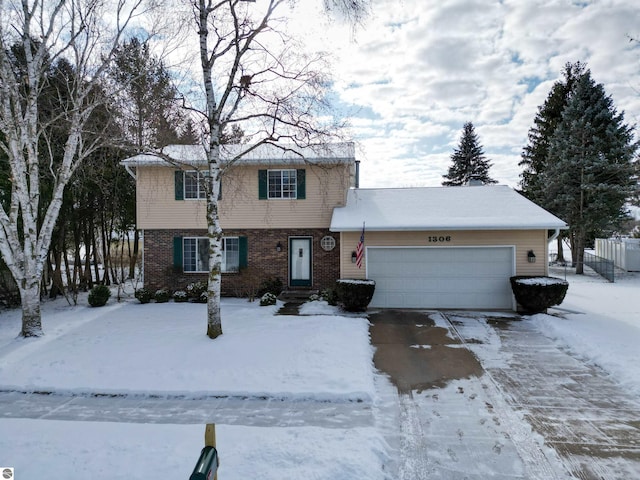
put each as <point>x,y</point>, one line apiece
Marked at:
<point>488,396</point>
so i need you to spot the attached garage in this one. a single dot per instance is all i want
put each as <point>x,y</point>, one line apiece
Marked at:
<point>444,247</point>
<point>447,277</point>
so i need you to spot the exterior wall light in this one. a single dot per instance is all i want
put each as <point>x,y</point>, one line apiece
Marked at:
<point>354,256</point>
<point>279,247</point>
<point>531,257</point>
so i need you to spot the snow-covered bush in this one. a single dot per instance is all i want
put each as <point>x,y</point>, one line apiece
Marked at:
<point>271,285</point>
<point>203,297</point>
<point>196,289</point>
<point>355,294</point>
<point>536,294</point>
<point>180,296</point>
<point>267,299</point>
<point>314,297</point>
<point>163,295</point>
<point>99,295</point>
<point>143,295</point>
<point>330,296</point>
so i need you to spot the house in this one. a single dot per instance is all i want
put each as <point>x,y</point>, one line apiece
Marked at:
<point>444,247</point>
<point>301,221</point>
<point>275,211</point>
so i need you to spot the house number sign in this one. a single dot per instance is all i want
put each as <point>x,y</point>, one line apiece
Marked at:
<point>439,239</point>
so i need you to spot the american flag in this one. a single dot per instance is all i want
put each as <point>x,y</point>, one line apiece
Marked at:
<point>360,249</point>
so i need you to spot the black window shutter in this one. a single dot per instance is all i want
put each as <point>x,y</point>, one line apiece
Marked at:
<point>301,193</point>
<point>177,252</point>
<point>179,183</point>
<point>243,252</point>
<point>262,184</point>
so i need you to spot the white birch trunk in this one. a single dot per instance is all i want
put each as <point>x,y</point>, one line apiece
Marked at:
<point>24,237</point>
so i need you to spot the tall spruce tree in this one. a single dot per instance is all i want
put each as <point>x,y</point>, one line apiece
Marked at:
<point>591,168</point>
<point>469,162</point>
<point>536,152</point>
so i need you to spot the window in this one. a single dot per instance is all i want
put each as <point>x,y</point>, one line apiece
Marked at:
<point>282,183</point>
<point>195,185</point>
<point>195,254</point>
<point>230,254</point>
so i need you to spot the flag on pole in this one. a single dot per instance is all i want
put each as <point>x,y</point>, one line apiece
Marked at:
<point>360,249</point>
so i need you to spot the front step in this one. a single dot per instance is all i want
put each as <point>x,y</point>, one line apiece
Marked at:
<point>297,296</point>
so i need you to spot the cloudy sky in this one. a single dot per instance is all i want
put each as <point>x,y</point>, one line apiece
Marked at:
<point>417,70</point>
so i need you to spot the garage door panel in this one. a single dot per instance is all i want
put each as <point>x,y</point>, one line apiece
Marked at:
<point>464,277</point>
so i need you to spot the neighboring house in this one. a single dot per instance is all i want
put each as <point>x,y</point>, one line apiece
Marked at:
<point>301,220</point>
<point>275,210</point>
<point>444,247</point>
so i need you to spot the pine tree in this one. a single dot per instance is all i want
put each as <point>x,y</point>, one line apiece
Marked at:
<point>535,153</point>
<point>591,170</point>
<point>469,162</point>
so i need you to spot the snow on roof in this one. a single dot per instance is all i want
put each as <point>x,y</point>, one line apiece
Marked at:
<point>265,154</point>
<point>441,208</point>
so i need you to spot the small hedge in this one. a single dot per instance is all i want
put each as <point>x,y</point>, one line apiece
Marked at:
<point>180,296</point>
<point>143,295</point>
<point>197,291</point>
<point>99,295</point>
<point>272,285</point>
<point>162,296</point>
<point>355,294</point>
<point>267,299</point>
<point>536,294</point>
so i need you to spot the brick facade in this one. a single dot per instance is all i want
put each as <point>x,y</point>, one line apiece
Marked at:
<point>262,258</point>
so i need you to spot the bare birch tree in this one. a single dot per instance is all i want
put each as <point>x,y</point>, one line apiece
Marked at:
<point>84,33</point>
<point>256,77</point>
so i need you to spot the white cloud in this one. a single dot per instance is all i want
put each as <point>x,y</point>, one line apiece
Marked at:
<point>424,69</point>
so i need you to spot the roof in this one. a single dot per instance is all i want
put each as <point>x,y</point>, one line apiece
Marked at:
<point>265,154</point>
<point>441,208</point>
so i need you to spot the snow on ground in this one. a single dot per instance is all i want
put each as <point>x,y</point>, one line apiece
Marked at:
<point>599,321</point>
<point>161,349</point>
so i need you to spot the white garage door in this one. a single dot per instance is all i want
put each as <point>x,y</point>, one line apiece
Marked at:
<point>461,277</point>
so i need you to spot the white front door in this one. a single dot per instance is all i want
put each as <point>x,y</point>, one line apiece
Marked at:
<point>300,262</point>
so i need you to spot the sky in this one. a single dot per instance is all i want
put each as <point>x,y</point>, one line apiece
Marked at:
<point>415,71</point>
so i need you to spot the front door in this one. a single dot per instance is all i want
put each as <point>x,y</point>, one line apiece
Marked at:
<point>300,262</point>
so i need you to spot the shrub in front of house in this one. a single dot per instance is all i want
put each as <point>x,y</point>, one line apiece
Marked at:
<point>267,299</point>
<point>99,295</point>
<point>195,291</point>
<point>272,285</point>
<point>162,296</point>
<point>180,296</point>
<point>536,294</point>
<point>143,295</point>
<point>355,294</point>
<point>330,296</point>
<point>203,298</point>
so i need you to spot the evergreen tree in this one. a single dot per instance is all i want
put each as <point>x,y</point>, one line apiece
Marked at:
<point>469,162</point>
<point>591,171</point>
<point>535,153</point>
<point>147,97</point>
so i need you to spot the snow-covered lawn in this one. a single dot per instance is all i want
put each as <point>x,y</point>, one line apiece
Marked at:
<point>161,349</point>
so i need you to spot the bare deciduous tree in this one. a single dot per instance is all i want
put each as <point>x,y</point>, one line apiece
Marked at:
<point>256,77</point>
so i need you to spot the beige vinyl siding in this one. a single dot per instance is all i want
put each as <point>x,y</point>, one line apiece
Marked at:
<point>240,207</point>
<point>523,240</point>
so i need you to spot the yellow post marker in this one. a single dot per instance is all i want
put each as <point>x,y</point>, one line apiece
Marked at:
<point>210,439</point>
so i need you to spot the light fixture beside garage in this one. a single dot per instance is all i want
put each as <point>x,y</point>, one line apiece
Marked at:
<point>531,257</point>
<point>354,256</point>
<point>279,247</point>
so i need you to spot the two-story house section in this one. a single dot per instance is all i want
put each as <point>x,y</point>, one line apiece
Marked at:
<point>275,211</point>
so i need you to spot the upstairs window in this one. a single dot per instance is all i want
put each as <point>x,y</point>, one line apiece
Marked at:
<point>282,184</point>
<point>195,185</point>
